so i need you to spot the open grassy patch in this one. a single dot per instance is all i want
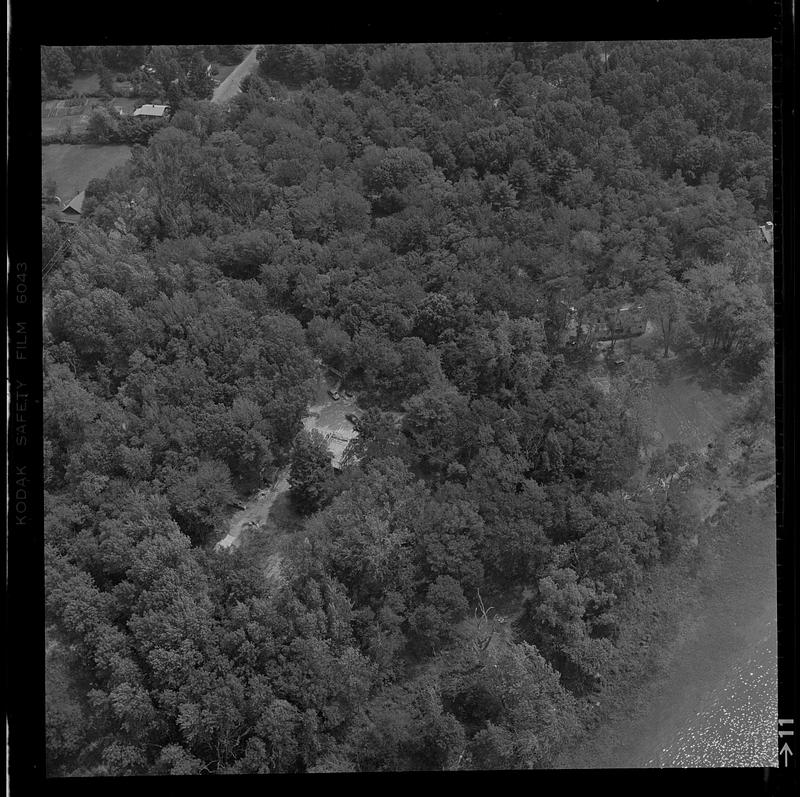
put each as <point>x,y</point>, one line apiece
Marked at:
<point>87,83</point>
<point>224,71</point>
<point>73,165</point>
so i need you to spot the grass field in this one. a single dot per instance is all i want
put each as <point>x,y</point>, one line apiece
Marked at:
<point>685,411</point>
<point>122,88</point>
<point>73,165</point>
<point>86,83</point>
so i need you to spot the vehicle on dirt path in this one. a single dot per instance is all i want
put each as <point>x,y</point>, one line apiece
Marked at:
<point>334,394</point>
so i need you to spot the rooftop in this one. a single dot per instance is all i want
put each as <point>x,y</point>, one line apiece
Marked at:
<point>75,205</point>
<point>151,110</point>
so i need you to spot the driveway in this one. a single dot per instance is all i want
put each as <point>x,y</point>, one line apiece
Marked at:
<point>229,87</point>
<point>256,511</point>
<point>325,415</point>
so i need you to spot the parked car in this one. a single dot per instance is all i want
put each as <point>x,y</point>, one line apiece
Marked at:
<point>352,417</point>
<point>334,394</point>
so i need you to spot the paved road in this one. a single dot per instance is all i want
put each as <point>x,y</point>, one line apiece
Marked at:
<point>229,87</point>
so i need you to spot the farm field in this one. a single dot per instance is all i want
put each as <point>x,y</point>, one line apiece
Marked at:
<point>73,165</point>
<point>60,115</point>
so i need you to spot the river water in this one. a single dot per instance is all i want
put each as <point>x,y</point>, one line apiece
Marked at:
<point>735,722</point>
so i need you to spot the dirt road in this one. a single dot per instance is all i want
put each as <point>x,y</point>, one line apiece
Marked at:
<point>256,511</point>
<point>327,416</point>
<point>229,87</point>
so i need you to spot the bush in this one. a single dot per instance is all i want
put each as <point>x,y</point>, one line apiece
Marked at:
<point>102,127</point>
<point>65,137</point>
<point>132,130</point>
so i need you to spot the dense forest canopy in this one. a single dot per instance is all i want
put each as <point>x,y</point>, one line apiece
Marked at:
<point>427,219</point>
<point>176,72</point>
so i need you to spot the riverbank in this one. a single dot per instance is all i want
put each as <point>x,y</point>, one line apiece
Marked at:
<point>703,691</point>
<point>707,694</point>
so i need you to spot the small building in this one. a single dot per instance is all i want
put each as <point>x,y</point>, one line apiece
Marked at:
<point>768,232</point>
<point>151,111</point>
<point>628,321</point>
<point>65,218</point>
<point>75,205</point>
<point>70,213</point>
